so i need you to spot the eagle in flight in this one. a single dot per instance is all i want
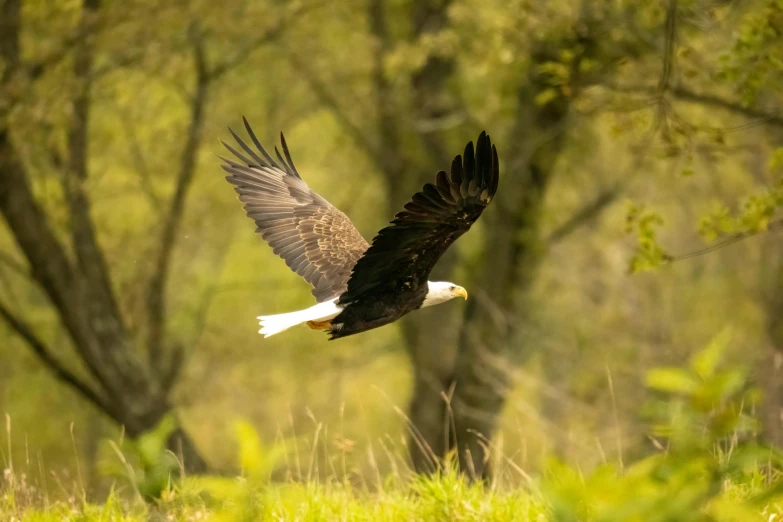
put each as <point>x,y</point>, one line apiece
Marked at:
<point>359,286</point>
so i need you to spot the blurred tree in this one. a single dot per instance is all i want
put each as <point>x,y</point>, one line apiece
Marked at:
<point>130,369</point>
<point>123,88</point>
<point>749,69</point>
<point>459,371</point>
<point>573,47</point>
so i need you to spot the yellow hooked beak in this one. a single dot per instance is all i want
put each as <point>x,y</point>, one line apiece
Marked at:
<point>459,291</point>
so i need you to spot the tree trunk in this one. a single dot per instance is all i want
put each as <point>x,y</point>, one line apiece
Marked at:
<point>513,251</point>
<point>180,443</point>
<point>770,376</point>
<point>770,372</point>
<point>431,335</point>
<point>118,382</point>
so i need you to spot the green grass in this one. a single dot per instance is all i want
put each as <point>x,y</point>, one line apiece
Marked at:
<point>707,467</point>
<point>437,498</point>
<point>445,497</point>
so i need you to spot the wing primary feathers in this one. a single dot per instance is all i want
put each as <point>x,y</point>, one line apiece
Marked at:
<point>434,197</point>
<point>257,143</point>
<point>483,159</point>
<point>493,184</point>
<point>435,217</point>
<point>444,189</point>
<point>281,160</point>
<point>456,179</point>
<point>468,163</point>
<point>231,163</point>
<point>257,161</point>
<point>237,153</point>
<point>288,156</point>
<point>456,171</point>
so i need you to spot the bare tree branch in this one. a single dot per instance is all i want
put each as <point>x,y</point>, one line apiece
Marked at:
<point>140,162</point>
<point>14,265</point>
<point>26,332</point>
<point>711,100</point>
<point>88,252</point>
<point>584,215</point>
<point>685,94</point>
<point>83,32</point>
<point>101,307</point>
<point>80,292</point>
<point>156,301</point>
<point>432,98</point>
<point>83,303</point>
<point>9,39</point>
<point>773,226</point>
<point>48,262</point>
<point>28,223</point>
<point>271,34</point>
<point>389,134</point>
<point>670,42</point>
<point>240,56</point>
<point>356,133</point>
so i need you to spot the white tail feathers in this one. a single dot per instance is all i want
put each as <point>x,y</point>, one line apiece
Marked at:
<point>273,324</point>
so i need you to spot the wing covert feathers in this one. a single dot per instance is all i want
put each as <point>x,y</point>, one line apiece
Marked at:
<point>316,240</point>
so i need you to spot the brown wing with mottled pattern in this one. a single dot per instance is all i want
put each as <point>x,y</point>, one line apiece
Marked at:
<point>316,240</point>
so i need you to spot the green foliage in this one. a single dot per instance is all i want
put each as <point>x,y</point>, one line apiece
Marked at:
<point>707,467</point>
<point>145,462</point>
<point>238,498</point>
<point>755,216</point>
<point>755,63</point>
<point>589,321</point>
<point>643,223</point>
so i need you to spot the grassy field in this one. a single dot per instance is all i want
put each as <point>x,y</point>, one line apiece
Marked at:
<point>705,466</point>
<point>444,497</point>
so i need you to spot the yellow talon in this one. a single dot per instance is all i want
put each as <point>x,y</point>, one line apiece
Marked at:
<point>319,325</point>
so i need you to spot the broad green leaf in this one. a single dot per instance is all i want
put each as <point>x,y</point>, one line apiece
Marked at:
<point>673,380</point>
<point>705,361</point>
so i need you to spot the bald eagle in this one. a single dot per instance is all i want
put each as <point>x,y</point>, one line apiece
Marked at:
<point>359,286</point>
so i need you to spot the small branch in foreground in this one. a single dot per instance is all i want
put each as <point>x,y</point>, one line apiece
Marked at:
<point>709,100</point>
<point>772,227</point>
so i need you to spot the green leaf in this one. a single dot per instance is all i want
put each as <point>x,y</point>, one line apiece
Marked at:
<point>545,96</point>
<point>250,450</point>
<point>706,361</point>
<point>673,380</point>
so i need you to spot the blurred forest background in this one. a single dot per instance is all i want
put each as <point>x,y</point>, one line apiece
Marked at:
<point>630,133</point>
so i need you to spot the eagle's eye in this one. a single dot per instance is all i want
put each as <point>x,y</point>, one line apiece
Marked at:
<point>452,287</point>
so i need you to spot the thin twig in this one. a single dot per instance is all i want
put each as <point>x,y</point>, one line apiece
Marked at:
<point>584,215</point>
<point>775,225</point>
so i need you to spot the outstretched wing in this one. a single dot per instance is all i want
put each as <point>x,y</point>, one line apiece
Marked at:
<point>405,252</point>
<point>315,239</point>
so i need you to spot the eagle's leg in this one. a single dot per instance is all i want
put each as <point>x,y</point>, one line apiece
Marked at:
<point>319,325</point>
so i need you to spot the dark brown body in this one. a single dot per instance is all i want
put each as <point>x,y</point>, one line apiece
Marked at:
<point>389,303</point>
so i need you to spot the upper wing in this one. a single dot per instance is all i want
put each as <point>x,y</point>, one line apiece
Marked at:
<point>317,241</point>
<point>407,249</point>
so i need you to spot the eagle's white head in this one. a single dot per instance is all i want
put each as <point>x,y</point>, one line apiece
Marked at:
<point>442,291</point>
